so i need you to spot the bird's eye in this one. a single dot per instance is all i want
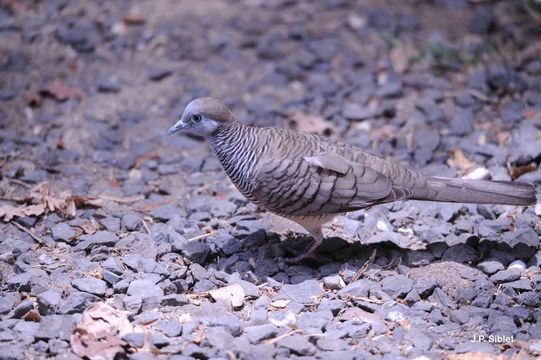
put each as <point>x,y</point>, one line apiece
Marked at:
<point>196,118</point>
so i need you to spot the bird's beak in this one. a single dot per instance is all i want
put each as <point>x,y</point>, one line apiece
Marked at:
<point>179,125</point>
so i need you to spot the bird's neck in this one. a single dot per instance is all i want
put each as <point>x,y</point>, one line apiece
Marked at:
<point>236,147</point>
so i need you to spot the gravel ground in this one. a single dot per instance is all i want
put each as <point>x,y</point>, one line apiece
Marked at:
<point>117,239</point>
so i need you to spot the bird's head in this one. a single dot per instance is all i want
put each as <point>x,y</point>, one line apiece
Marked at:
<point>203,116</point>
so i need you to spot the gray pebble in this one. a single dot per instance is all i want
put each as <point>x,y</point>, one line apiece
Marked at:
<point>259,333</point>
<point>90,285</point>
<point>135,339</point>
<point>504,276</point>
<point>62,232</point>
<point>490,267</point>
<point>132,221</point>
<point>397,285</point>
<point>48,301</point>
<point>298,344</point>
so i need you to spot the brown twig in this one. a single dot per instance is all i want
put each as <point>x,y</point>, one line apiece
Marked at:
<point>34,236</point>
<point>363,268</point>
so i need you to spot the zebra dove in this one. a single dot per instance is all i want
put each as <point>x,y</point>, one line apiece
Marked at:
<point>309,179</point>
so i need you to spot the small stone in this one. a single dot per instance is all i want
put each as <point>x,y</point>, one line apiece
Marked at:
<point>7,302</point>
<point>504,276</point>
<point>233,294</point>
<point>219,337</point>
<point>259,333</point>
<point>304,293</point>
<point>418,258</point>
<point>397,285</point>
<point>298,344</point>
<point>108,84</point>
<point>170,328</point>
<point>462,122</point>
<point>114,265</point>
<point>110,277</point>
<point>132,221</point>
<point>490,267</point>
<point>529,298</point>
<point>517,264</point>
<point>512,112</point>
<point>145,289</point>
<point>353,111</point>
<point>462,253</point>
<point>56,327</point>
<point>250,290</point>
<point>22,309</point>
<point>103,238</point>
<point>20,282</point>
<point>77,302</point>
<point>164,213</point>
<point>425,286</point>
<point>62,232</point>
<point>11,352</point>
<point>331,344</point>
<point>334,282</point>
<point>48,301</point>
<point>157,74</point>
<point>135,339</point>
<point>360,288</point>
<point>521,284</point>
<point>90,285</point>
<point>174,300</point>
<point>196,251</point>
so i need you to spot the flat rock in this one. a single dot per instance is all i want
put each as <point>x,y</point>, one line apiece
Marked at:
<point>504,276</point>
<point>490,267</point>
<point>48,301</point>
<point>145,289</point>
<point>397,285</point>
<point>304,293</point>
<point>90,285</point>
<point>77,302</point>
<point>11,352</point>
<point>56,327</point>
<point>298,344</point>
<point>259,333</point>
<point>102,237</point>
<point>62,232</point>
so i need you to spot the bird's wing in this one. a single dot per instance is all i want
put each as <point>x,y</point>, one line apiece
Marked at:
<point>319,184</point>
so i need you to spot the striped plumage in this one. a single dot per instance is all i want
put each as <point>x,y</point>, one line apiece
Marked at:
<point>310,179</point>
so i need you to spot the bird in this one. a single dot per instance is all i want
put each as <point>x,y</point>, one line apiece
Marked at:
<point>310,179</point>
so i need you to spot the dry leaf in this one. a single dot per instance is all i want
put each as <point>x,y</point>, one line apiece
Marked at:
<point>90,227</point>
<point>32,315</point>
<point>460,160</point>
<point>517,171</point>
<point>311,123</point>
<point>62,91</point>
<point>97,335</point>
<point>41,200</point>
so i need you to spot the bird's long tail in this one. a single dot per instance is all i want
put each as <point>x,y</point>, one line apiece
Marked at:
<point>479,191</point>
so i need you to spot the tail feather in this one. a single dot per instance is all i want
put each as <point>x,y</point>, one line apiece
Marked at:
<point>480,191</point>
